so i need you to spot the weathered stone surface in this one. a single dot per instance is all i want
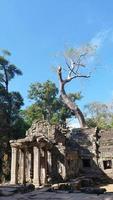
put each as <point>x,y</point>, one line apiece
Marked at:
<point>76,184</point>
<point>61,155</point>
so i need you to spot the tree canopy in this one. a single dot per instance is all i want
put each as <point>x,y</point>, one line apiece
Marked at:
<point>47,104</point>
<point>10,104</point>
<point>99,114</point>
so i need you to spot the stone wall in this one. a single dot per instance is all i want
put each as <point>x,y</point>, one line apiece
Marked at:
<point>106,151</point>
<point>51,154</point>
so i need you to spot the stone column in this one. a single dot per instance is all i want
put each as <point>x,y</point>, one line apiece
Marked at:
<point>22,167</point>
<point>63,170</point>
<point>29,167</point>
<point>49,162</point>
<point>43,167</point>
<point>63,164</point>
<point>32,164</point>
<point>36,172</point>
<point>14,165</point>
<point>45,158</point>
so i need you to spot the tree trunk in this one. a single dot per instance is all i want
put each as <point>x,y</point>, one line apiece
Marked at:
<point>71,105</point>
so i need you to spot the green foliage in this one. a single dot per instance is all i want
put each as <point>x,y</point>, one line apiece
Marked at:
<point>10,102</point>
<point>19,128</point>
<point>99,114</point>
<point>47,104</point>
<point>46,91</point>
<point>11,125</point>
<point>16,101</point>
<point>45,97</point>
<point>7,71</point>
<point>31,113</point>
<point>75,96</point>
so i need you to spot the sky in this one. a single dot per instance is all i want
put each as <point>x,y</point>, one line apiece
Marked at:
<point>37,31</point>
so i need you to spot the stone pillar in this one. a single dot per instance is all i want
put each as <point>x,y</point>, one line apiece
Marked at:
<point>14,167</point>
<point>22,167</point>
<point>43,166</point>
<point>36,172</point>
<point>45,158</point>
<point>64,170</point>
<point>32,164</point>
<point>63,164</point>
<point>29,167</point>
<point>49,161</point>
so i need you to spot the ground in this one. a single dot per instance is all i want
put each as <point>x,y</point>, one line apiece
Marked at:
<point>41,194</point>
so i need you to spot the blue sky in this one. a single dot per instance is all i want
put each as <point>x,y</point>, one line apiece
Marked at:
<point>36,31</point>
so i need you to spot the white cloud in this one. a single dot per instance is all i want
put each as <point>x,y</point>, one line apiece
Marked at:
<point>101,37</point>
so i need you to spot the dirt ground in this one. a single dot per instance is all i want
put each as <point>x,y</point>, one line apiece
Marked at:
<point>42,194</point>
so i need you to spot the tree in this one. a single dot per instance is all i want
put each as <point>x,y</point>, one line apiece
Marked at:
<point>47,104</point>
<point>45,98</point>
<point>99,114</point>
<point>10,104</point>
<point>32,113</point>
<point>75,62</point>
<point>7,70</point>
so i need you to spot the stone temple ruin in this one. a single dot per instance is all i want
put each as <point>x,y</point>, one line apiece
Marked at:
<point>50,154</point>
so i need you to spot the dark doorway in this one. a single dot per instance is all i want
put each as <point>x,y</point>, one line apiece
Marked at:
<point>86,163</point>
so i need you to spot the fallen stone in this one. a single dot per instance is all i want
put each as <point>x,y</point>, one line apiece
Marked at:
<point>69,186</point>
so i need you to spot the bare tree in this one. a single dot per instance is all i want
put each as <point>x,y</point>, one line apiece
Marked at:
<point>76,60</point>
